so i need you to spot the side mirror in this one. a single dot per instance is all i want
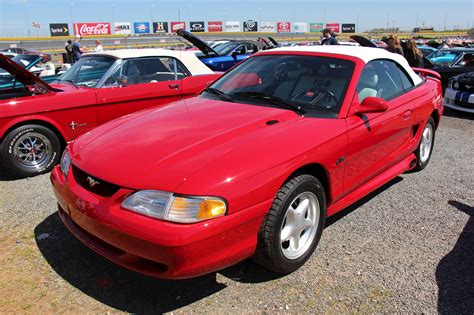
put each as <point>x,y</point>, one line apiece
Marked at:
<point>122,81</point>
<point>372,105</point>
<point>234,54</point>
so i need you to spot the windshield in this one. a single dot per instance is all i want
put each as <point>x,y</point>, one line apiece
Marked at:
<point>443,58</point>
<point>317,85</point>
<point>226,48</point>
<point>88,70</point>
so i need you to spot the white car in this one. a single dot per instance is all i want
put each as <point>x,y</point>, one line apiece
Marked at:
<point>459,94</point>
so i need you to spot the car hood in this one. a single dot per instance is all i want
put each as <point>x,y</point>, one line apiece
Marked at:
<point>164,147</point>
<point>201,45</point>
<point>22,75</point>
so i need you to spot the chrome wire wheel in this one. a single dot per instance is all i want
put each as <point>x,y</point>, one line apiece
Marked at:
<point>300,225</point>
<point>426,143</point>
<point>33,150</point>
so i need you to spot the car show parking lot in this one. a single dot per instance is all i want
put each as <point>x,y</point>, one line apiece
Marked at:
<point>407,247</point>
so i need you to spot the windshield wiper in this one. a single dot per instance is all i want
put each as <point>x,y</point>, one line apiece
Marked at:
<point>272,99</point>
<point>219,93</point>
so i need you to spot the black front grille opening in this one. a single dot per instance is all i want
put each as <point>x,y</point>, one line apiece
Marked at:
<point>94,184</point>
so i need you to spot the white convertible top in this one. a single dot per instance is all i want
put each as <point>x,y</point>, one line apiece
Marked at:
<point>366,54</point>
<point>189,59</point>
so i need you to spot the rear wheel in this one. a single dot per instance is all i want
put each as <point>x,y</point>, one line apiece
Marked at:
<point>30,150</point>
<point>292,228</point>
<point>425,148</point>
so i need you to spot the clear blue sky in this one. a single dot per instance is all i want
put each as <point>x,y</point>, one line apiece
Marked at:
<point>369,13</point>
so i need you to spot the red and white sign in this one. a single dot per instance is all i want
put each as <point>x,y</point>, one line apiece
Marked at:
<point>333,27</point>
<point>214,26</point>
<point>283,27</point>
<point>92,29</point>
<point>175,26</point>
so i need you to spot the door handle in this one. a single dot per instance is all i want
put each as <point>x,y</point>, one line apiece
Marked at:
<point>407,114</point>
<point>173,86</point>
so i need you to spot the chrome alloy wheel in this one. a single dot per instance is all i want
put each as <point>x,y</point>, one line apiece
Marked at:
<point>33,150</point>
<point>300,225</point>
<point>426,143</point>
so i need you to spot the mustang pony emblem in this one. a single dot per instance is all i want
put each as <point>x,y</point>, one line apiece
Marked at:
<point>92,182</point>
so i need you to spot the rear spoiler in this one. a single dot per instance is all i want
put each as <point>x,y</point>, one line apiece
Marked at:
<point>424,73</point>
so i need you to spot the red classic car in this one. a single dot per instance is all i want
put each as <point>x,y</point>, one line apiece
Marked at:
<point>37,119</point>
<point>251,167</point>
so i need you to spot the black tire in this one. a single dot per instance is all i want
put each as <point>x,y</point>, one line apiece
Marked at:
<point>270,249</point>
<point>21,159</point>
<point>421,160</point>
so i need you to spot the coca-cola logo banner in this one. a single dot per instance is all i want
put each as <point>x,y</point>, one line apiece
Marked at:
<point>214,26</point>
<point>283,27</point>
<point>175,26</point>
<point>91,29</point>
<point>160,27</point>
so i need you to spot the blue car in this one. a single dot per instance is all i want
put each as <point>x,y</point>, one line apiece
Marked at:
<point>427,50</point>
<point>32,63</point>
<point>223,56</point>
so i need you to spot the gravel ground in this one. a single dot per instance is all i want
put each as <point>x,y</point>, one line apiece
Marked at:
<point>408,247</point>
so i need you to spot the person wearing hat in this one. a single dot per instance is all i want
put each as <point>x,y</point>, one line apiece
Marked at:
<point>76,48</point>
<point>328,38</point>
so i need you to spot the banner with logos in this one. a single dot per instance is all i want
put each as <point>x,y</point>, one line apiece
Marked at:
<point>283,27</point>
<point>91,29</point>
<point>141,27</point>
<point>348,28</point>
<point>268,27</point>
<point>333,27</point>
<point>232,26</point>
<point>316,27</point>
<point>214,26</point>
<point>300,27</point>
<point>196,26</point>
<point>250,26</point>
<point>175,26</point>
<point>123,28</point>
<point>160,27</point>
<point>59,29</point>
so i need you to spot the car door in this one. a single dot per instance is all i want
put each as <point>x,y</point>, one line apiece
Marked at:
<point>140,83</point>
<point>378,140</point>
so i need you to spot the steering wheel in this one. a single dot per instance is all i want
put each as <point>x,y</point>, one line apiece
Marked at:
<point>328,95</point>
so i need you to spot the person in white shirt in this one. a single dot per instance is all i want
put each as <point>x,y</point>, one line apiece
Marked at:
<point>98,46</point>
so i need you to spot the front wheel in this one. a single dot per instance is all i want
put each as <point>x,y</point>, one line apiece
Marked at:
<point>425,148</point>
<point>292,228</point>
<point>30,150</point>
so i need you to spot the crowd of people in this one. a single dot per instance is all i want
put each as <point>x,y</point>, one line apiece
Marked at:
<point>74,50</point>
<point>413,55</point>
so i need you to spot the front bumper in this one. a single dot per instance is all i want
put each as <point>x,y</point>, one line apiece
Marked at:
<point>153,247</point>
<point>462,101</point>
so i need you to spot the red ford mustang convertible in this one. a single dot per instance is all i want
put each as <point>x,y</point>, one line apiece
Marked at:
<point>37,119</point>
<point>253,166</point>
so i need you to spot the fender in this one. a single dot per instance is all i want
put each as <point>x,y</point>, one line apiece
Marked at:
<point>65,134</point>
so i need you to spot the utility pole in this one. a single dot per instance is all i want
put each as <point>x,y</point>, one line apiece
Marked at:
<point>445,18</point>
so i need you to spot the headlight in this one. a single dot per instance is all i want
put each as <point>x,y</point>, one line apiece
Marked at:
<point>183,209</point>
<point>65,163</point>
<point>456,85</point>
